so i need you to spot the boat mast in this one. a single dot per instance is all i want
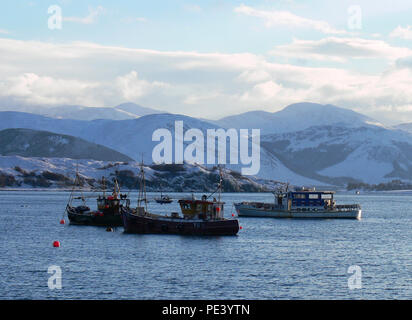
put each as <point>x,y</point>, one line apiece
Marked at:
<point>76,183</point>
<point>220,184</point>
<point>104,186</point>
<point>142,190</point>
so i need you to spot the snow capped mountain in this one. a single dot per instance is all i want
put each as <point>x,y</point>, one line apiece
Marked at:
<point>134,138</point>
<point>339,154</point>
<point>308,144</point>
<point>295,117</point>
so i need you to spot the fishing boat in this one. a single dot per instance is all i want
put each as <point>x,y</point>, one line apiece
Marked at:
<point>164,199</point>
<point>203,217</point>
<point>303,203</point>
<point>109,208</point>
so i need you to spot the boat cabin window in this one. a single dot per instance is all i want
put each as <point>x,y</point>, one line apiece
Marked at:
<point>299,196</point>
<point>326,196</point>
<point>313,196</point>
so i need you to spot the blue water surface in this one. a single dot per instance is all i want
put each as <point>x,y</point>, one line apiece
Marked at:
<point>269,259</point>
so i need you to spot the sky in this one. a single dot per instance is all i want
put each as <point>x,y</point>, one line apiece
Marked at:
<point>209,59</point>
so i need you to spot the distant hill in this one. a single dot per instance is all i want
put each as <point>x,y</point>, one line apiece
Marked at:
<point>404,127</point>
<point>296,117</point>
<point>135,109</point>
<point>34,143</point>
<point>121,112</point>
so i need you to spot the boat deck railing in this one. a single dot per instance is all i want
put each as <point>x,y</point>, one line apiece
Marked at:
<point>347,207</point>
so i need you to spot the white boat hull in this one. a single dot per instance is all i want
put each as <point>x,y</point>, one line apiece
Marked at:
<point>244,211</point>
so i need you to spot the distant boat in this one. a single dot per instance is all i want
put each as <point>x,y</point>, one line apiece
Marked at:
<point>108,213</point>
<point>300,204</point>
<point>164,199</point>
<point>357,192</point>
<point>200,217</point>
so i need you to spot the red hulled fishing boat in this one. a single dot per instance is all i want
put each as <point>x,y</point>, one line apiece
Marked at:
<point>203,216</point>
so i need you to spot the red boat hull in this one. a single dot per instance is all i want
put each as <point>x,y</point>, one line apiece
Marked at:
<point>134,223</point>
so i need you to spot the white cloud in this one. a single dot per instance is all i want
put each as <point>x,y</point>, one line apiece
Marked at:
<point>4,31</point>
<point>254,76</point>
<point>341,49</point>
<point>403,33</point>
<point>213,84</point>
<point>35,89</point>
<point>261,92</point>
<point>132,88</point>
<point>286,18</point>
<point>89,19</point>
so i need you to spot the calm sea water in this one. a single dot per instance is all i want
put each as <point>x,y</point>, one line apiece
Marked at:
<point>269,259</point>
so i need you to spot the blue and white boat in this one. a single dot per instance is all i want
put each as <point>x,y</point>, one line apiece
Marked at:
<point>300,204</point>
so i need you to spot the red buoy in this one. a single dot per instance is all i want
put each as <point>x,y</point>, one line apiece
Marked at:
<point>56,244</point>
<point>240,227</point>
<point>233,214</point>
<point>62,221</point>
<point>217,209</point>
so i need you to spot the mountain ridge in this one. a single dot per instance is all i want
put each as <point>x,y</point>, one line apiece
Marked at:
<point>348,148</point>
<point>124,111</point>
<point>36,143</point>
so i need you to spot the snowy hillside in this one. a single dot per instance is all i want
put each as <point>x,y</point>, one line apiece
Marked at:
<point>337,154</point>
<point>20,172</point>
<point>134,138</point>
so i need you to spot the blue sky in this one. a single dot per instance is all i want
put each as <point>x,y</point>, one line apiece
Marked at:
<point>210,58</point>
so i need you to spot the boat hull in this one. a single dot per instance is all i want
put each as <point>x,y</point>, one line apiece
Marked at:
<point>93,219</point>
<point>146,224</point>
<point>245,211</point>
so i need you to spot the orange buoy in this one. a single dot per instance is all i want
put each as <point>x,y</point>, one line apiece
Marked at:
<point>62,221</point>
<point>56,244</point>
